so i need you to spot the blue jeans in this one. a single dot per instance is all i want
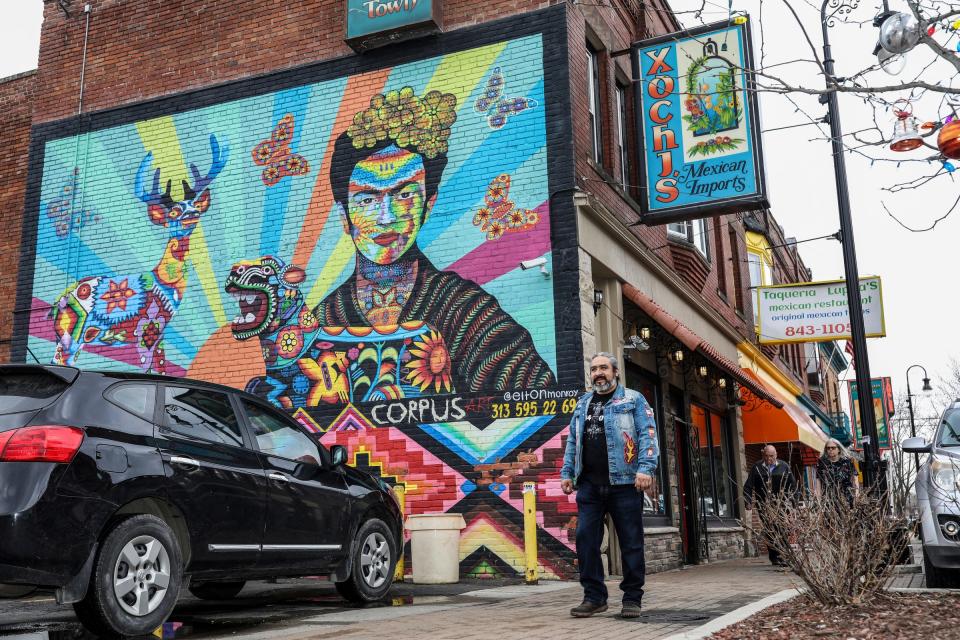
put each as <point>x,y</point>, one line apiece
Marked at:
<point>625,504</point>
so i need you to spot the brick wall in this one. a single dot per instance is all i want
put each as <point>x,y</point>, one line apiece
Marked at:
<point>16,106</point>
<point>142,50</point>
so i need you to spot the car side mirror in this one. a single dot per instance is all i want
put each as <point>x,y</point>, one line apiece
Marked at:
<point>915,445</point>
<point>338,455</point>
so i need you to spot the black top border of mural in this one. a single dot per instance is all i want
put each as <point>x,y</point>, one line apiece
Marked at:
<point>550,22</point>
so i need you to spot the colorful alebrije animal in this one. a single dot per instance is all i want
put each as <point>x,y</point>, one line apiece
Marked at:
<point>134,310</point>
<point>271,307</point>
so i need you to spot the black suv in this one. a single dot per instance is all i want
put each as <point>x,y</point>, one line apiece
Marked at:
<point>116,489</point>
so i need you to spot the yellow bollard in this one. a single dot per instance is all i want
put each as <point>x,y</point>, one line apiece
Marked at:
<point>400,491</point>
<point>530,530</point>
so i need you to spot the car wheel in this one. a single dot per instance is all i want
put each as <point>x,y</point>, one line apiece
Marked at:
<point>374,558</point>
<point>216,590</point>
<point>135,581</point>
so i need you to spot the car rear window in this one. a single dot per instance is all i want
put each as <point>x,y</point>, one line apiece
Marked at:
<point>28,390</point>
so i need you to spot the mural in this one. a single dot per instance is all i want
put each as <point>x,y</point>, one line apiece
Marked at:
<point>357,264</point>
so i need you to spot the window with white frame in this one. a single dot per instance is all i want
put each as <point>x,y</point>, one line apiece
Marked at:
<point>622,136</point>
<point>694,232</point>
<point>593,104</point>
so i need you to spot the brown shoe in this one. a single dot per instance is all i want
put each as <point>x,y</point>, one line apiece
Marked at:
<point>630,610</point>
<point>586,609</point>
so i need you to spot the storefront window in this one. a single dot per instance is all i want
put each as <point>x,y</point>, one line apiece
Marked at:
<point>654,498</point>
<point>713,461</point>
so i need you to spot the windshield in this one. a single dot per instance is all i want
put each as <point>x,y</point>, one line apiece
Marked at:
<point>950,429</point>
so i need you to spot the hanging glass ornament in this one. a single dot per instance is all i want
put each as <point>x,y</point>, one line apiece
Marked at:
<point>899,33</point>
<point>949,167</point>
<point>905,134</point>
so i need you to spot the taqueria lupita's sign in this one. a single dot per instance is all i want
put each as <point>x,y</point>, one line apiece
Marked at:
<point>697,111</point>
<point>374,23</point>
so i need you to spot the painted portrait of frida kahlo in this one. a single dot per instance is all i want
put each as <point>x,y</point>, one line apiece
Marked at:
<point>397,327</point>
<point>384,174</point>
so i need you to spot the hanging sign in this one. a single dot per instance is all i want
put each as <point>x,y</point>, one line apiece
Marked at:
<point>882,410</point>
<point>697,111</point>
<point>374,23</point>
<point>816,311</point>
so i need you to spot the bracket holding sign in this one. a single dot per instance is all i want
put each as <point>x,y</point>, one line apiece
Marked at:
<point>697,110</point>
<point>375,23</point>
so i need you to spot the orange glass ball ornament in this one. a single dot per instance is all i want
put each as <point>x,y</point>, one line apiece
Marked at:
<point>948,141</point>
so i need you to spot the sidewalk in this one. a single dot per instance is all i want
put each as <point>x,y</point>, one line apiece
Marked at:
<point>675,601</point>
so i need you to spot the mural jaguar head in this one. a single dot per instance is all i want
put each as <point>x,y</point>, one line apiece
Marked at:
<point>267,292</point>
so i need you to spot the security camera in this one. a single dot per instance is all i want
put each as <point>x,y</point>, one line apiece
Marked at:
<point>536,262</point>
<point>636,342</point>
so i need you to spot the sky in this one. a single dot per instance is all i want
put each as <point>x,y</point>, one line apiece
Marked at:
<point>920,302</point>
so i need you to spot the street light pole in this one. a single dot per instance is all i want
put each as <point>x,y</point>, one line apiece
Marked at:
<point>868,420</point>
<point>913,428</point>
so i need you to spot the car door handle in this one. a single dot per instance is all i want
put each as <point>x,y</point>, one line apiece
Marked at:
<point>185,461</point>
<point>279,477</point>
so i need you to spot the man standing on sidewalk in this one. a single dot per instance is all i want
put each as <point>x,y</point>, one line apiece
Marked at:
<point>769,476</point>
<point>610,458</point>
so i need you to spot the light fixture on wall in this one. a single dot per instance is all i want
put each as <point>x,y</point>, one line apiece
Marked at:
<point>677,356</point>
<point>644,333</point>
<point>702,371</point>
<point>722,383</point>
<point>597,300</point>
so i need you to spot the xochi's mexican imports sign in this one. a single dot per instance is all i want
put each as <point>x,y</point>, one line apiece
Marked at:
<point>373,23</point>
<point>697,111</point>
<point>816,311</point>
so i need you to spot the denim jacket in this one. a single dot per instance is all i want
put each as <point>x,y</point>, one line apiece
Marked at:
<point>631,437</point>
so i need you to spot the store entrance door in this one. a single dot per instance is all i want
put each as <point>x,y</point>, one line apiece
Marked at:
<point>692,523</point>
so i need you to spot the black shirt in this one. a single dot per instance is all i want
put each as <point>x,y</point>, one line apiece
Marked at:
<point>596,467</point>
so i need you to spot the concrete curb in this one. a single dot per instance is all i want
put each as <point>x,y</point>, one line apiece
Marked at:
<point>735,616</point>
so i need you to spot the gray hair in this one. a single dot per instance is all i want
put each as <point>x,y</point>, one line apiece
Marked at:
<point>609,356</point>
<point>843,450</point>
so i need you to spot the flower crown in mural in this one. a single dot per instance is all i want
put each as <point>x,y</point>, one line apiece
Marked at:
<point>420,123</point>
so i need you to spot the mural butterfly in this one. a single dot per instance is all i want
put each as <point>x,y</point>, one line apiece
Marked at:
<point>500,215</point>
<point>275,154</point>
<point>62,213</point>
<point>496,107</point>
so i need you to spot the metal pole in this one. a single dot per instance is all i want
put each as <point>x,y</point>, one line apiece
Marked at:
<point>913,429</point>
<point>859,339</point>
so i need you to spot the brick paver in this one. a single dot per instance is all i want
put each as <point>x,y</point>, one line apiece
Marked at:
<point>675,601</point>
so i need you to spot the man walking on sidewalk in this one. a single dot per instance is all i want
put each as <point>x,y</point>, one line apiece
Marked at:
<point>769,476</point>
<point>610,458</point>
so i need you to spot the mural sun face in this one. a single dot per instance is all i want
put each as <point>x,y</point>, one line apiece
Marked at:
<point>387,203</point>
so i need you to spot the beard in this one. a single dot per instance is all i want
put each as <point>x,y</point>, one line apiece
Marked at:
<point>603,386</point>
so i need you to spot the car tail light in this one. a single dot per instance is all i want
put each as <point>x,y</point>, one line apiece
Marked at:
<point>40,444</point>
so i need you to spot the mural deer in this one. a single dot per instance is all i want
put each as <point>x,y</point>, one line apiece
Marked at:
<point>134,310</point>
